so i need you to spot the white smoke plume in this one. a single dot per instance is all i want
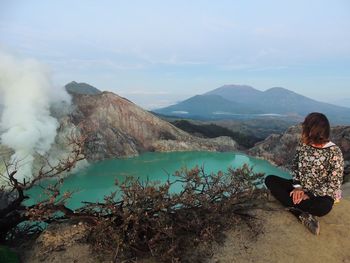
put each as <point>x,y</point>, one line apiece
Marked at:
<point>26,125</point>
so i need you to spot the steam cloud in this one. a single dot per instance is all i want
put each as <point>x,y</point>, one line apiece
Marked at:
<point>26,125</point>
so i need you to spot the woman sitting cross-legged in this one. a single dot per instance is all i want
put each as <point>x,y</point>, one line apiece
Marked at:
<point>318,168</point>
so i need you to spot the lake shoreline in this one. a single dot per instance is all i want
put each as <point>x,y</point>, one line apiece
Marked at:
<point>97,180</point>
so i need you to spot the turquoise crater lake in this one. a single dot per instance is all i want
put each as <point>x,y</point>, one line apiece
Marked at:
<point>97,180</point>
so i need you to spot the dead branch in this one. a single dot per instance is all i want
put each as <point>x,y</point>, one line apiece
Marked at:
<point>14,212</point>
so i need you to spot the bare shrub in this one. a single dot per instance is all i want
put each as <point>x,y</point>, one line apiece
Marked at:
<point>146,219</point>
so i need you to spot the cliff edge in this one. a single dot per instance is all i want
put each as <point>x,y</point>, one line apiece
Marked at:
<point>284,239</point>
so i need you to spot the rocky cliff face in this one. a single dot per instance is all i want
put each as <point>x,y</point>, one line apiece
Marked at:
<point>280,148</point>
<point>117,127</point>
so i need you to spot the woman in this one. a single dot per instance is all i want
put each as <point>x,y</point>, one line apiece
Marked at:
<point>317,174</point>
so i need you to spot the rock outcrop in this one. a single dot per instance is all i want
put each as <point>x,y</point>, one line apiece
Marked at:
<point>64,242</point>
<point>116,127</point>
<point>279,149</point>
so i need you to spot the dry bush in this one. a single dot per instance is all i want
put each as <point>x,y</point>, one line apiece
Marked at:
<point>146,219</point>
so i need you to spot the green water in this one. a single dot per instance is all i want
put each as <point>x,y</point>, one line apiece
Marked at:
<point>97,180</point>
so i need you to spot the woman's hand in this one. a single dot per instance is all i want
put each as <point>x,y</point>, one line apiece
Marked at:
<point>298,195</point>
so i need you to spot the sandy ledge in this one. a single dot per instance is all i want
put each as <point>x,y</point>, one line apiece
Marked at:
<point>284,239</point>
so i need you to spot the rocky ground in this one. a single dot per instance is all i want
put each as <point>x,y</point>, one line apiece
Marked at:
<point>58,244</point>
<point>284,239</point>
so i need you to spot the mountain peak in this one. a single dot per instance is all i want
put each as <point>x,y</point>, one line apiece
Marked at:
<point>232,87</point>
<point>279,90</point>
<point>81,88</point>
<point>236,93</point>
<point>237,86</point>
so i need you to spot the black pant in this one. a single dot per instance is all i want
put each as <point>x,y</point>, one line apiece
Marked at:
<point>280,188</point>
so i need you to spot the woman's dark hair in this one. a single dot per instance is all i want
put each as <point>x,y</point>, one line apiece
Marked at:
<point>316,129</point>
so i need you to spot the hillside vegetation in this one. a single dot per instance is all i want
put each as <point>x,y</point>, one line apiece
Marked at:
<point>212,131</point>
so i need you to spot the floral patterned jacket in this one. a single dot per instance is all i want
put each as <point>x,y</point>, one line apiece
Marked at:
<point>319,171</point>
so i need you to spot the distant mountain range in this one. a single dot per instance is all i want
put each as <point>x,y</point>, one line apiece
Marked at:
<point>345,102</point>
<point>245,102</point>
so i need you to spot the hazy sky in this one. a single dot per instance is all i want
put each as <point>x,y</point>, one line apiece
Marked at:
<point>157,52</point>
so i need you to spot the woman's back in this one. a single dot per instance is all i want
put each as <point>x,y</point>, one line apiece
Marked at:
<point>319,170</point>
